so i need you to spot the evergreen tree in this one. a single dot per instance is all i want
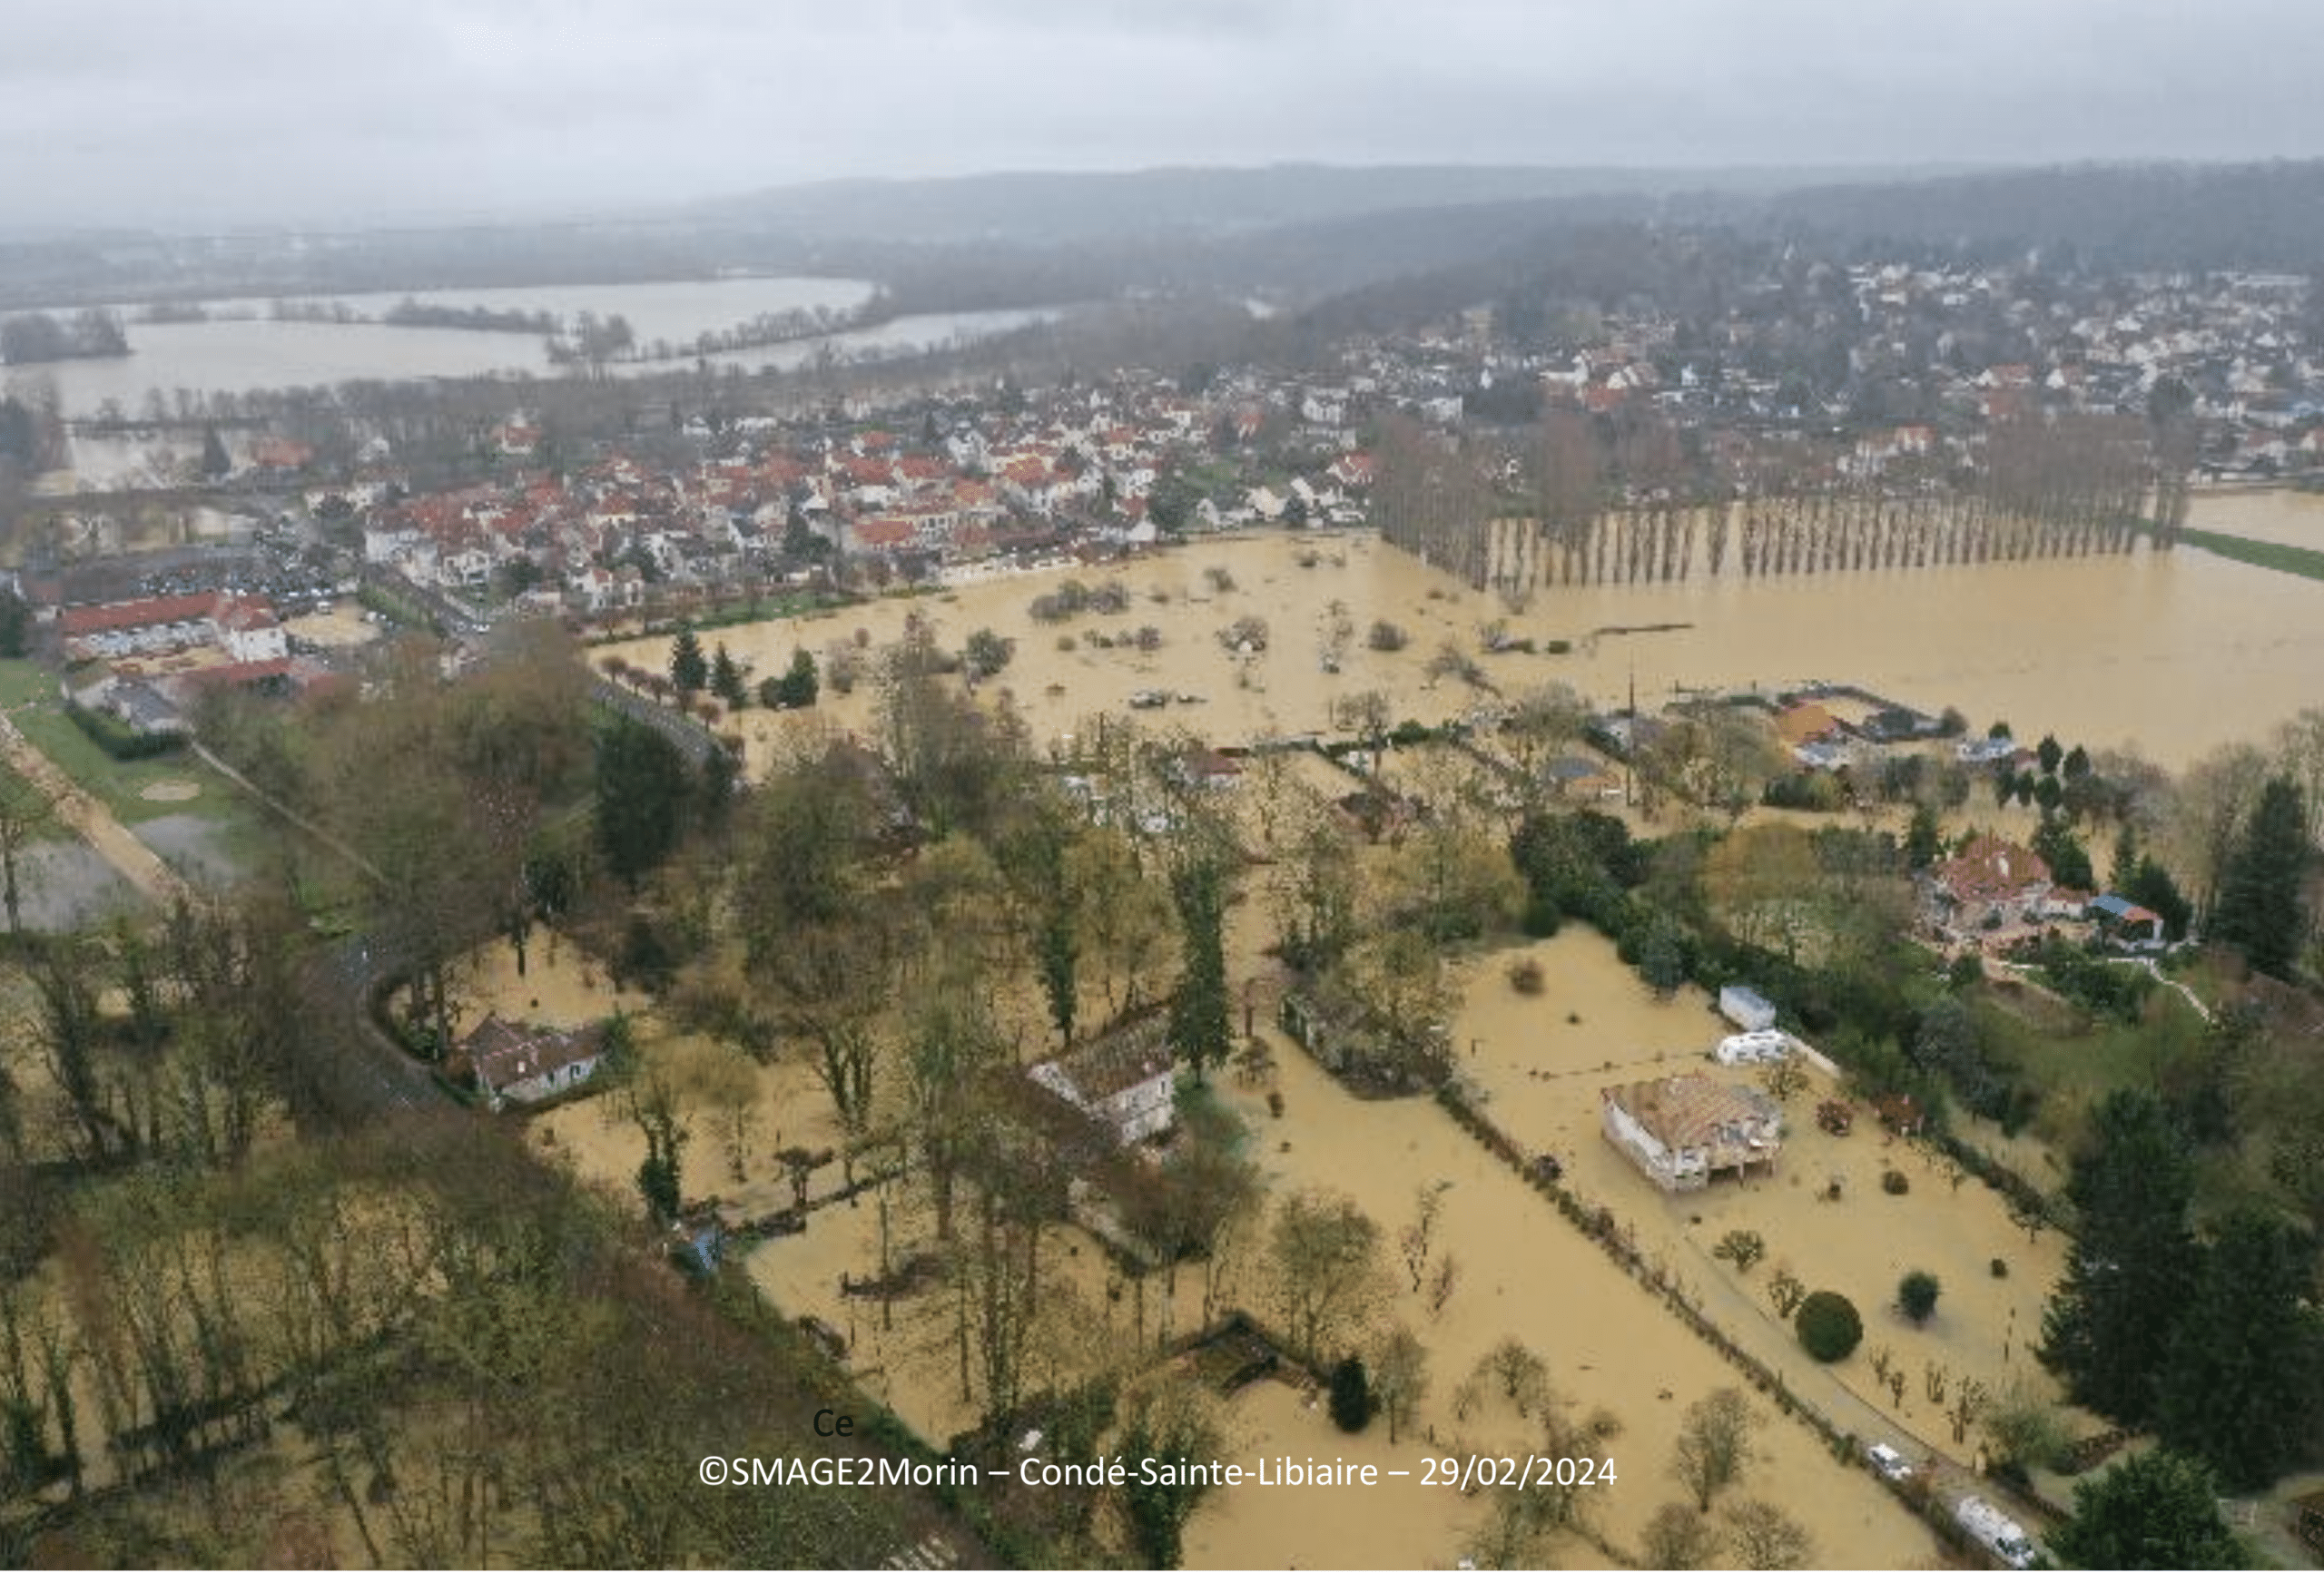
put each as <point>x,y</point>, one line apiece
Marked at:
<point>1916,1296</point>
<point>2108,1328</point>
<point>2157,1509</point>
<point>641,786</point>
<point>2240,1390</point>
<point>1923,838</point>
<point>1199,1029</point>
<point>2077,763</point>
<point>2057,845</point>
<point>2047,753</point>
<point>15,625</point>
<point>2125,866</point>
<point>216,463</point>
<point>1060,954</point>
<point>795,688</point>
<point>720,770</point>
<point>2259,911</point>
<point>727,679</point>
<point>688,670</point>
<point>2152,888</point>
<point>1351,1395</point>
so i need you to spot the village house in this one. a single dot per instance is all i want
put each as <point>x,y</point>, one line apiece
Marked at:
<point>1580,777</point>
<point>1681,1130</point>
<point>516,1062</point>
<point>1122,1080</point>
<point>2126,925</point>
<point>1989,884</point>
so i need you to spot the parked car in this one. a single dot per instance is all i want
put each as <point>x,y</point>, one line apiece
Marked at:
<point>1890,1463</point>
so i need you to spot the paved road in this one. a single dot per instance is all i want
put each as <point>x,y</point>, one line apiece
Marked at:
<point>356,1073</point>
<point>692,739</point>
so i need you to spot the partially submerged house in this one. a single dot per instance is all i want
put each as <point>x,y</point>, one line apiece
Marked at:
<point>519,1062</point>
<point>1122,1080</point>
<point>1683,1130</point>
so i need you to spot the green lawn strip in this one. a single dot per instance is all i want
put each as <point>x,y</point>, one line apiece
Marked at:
<point>2305,561</point>
<point>117,784</point>
<point>22,681</point>
<point>2073,1070</point>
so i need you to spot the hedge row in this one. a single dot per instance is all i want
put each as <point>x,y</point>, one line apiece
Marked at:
<point>116,737</point>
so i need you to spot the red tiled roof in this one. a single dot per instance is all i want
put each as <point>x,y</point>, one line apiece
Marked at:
<point>248,611</point>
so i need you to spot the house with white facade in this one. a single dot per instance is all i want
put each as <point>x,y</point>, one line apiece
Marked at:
<point>1123,1081</point>
<point>1683,1130</point>
<point>518,1062</point>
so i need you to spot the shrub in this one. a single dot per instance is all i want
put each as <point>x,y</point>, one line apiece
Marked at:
<point>1893,1181</point>
<point>1525,974</point>
<point>1917,1295</point>
<point>1829,1327</point>
<point>1540,920</point>
<point>1386,637</point>
<point>116,738</point>
<point>1999,1268</point>
<point>1351,1395</point>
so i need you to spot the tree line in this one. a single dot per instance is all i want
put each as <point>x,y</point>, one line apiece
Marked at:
<point>1620,502</point>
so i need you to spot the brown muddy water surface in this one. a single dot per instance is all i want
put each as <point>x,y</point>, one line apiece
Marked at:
<point>2177,652</point>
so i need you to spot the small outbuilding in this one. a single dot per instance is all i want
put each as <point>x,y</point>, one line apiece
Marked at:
<point>1747,1007</point>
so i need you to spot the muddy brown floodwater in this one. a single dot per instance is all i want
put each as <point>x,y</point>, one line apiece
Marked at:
<point>2176,651</point>
<point>1543,1058</point>
<point>2286,517</point>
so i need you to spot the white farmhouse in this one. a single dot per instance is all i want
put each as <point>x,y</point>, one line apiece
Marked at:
<point>1122,1080</point>
<point>1683,1130</point>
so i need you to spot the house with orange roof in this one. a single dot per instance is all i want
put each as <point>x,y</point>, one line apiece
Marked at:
<point>1989,883</point>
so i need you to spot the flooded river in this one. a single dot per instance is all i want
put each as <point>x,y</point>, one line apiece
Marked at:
<point>241,350</point>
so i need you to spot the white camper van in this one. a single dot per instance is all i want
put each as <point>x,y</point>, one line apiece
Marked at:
<point>1995,1530</point>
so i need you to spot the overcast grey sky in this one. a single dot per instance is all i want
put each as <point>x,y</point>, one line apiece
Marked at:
<point>198,113</point>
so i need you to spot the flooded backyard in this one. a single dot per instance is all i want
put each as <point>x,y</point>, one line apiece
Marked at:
<point>1613,1353</point>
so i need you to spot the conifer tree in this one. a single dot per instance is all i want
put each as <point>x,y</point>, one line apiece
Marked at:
<point>689,672</point>
<point>2239,1390</point>
<point>2259,910</point>
<point>2108,1328</point>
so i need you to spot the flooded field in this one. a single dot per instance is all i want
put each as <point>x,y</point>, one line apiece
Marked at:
<point>1543,1058</point>
<point>2288,519</point>
<point>2174,652</point>
<point>1523,1272</point>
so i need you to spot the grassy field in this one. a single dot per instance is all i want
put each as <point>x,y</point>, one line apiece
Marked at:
<point>2073,1069</point>
<point>23,681</point>
<point>29,693</point>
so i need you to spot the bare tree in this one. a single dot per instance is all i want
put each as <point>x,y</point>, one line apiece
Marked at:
<point>1714,1444</point>
<point>1329,1278</point>
<point>1678,1536</point>
<point>1764,1536</point>
<point>1399,1377</point>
